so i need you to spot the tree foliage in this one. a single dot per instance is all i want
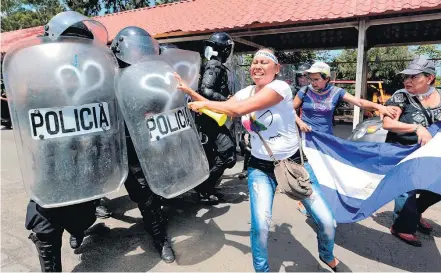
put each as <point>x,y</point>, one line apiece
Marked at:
<point>19,14</point>
<point>94,7</point>
<point>430,51</point>
<point>383,65</point>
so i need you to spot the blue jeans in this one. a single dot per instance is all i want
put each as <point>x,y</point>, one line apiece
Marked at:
<point>399,204</point>
<point>262,187</point>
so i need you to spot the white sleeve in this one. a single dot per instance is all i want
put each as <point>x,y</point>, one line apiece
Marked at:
<point>282,88</point>
<point>243,94</point>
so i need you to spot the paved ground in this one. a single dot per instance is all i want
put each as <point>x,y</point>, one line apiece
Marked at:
<point>209,238</point>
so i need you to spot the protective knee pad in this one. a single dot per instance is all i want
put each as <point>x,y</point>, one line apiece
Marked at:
<point>49,251</point>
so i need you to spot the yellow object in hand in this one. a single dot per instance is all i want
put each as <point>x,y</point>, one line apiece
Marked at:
<point>220,118</point>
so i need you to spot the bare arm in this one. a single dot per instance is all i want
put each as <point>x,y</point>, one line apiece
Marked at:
<point>297,102</point>
<point>397,126</point>
<point>362,103</point>
<point>368,105</point>
<point>195,95</point>
<point>265,98</point>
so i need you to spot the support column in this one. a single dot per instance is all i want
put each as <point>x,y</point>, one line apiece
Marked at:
<point>361,73</point>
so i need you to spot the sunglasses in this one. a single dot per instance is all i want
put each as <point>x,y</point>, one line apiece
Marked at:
<point>411,77</point>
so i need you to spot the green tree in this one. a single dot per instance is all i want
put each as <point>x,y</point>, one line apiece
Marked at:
<point>383,65</point>
<point>19,14</point>
<point>94,7</point>
<point>87,7</point>
<point>430,51</point>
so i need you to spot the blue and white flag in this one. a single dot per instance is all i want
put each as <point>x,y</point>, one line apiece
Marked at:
<point>358,178</point>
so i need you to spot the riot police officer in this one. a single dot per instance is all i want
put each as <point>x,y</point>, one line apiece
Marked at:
<point>149,203</point>
<point>300,77</point>
<point>219,144</point>
<point>72,163</point>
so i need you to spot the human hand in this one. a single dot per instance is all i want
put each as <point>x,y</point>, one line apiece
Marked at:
<point>196,105</point>
<point>424,135</point>
<point>304,127</point>
<point>182,85</point>
<point>388,111</point>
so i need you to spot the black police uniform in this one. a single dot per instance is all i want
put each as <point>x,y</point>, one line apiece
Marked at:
<point>219,148</point>
<point>136,184</point>
<point>148,202</point>
<point>48,224</point>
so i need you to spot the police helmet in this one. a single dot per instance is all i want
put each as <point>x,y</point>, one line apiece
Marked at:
<point>132,43</point>
<point>78,29</point>
<point>74,24</point>
<point>222,43</point>
<point>164,47</point>
<point>302,68</point>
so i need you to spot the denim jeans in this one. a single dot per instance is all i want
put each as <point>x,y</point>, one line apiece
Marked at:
<point>399,204</point>
<point>262,187</point>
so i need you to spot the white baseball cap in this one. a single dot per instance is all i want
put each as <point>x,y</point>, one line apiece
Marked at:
<point>320,67</point>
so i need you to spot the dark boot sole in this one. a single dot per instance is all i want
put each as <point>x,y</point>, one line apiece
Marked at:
<point>412,243</point>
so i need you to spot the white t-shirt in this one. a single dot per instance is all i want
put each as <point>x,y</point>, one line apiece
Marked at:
<point>277,124</point>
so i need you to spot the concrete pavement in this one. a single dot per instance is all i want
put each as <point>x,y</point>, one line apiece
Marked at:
<point>209,238</point>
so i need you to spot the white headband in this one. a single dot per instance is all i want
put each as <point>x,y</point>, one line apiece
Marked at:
<point>267,54</point>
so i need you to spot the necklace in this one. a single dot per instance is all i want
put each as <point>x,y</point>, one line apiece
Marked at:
<point>427,94</point>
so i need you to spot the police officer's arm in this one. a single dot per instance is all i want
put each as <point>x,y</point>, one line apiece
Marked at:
<point>208,83</point>
<point>265,98</point>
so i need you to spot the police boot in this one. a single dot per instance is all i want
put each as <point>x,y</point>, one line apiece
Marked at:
<point>49,252</point>
<point>76,240</point>
<point>154,224</point>
<point>165,249</point>
<point>101,211</point>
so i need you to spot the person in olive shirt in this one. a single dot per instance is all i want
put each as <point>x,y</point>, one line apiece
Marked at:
<point>418,106</point>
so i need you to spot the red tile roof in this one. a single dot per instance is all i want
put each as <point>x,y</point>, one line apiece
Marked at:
<point>195,16</point>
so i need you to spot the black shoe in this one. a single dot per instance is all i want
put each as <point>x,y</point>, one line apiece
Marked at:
<point>208,198</point>
<point>243,175</point>
<point>165,251</point>
<point>340,267</point>
<point>102,212</point>
<point>76,240</point>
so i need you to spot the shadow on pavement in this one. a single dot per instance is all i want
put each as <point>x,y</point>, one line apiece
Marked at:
<point>284,251</point>
<point>385,248</point>
<point>195,237</point>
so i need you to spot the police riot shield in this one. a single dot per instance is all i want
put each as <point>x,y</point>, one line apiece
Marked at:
<point>68,128</point>
<point>161,128</point>
<point>187,64</point>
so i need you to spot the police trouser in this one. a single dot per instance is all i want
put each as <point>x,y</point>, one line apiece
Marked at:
<point>5,110</point>
<point>221,155</point>
<point>148,202</point>
<point>48,224</point>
